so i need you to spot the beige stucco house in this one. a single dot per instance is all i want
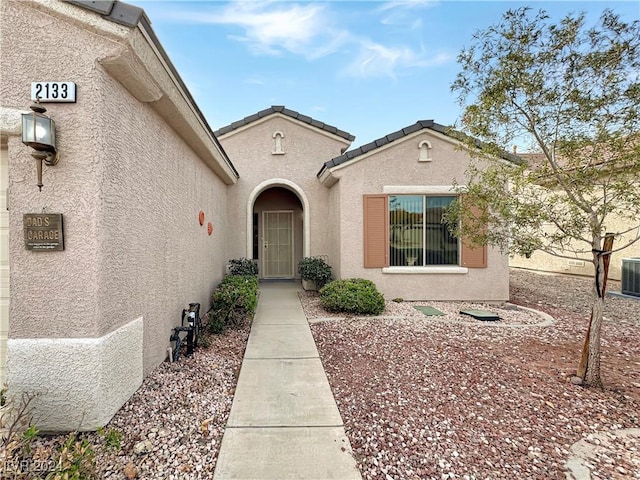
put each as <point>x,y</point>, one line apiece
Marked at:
<point>139,167</point>
<point>544,262</point>
<point>374,211</point>
<point>581,264</point>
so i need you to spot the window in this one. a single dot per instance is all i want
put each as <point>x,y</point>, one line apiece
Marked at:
<point>417,235</point>
<point>407,231</point>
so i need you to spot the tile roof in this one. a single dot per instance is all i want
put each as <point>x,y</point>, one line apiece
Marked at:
<point>289,113</point>
<point>419,125</point>
<point>115,11</point>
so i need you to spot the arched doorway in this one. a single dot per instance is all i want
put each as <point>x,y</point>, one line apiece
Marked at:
<point>277,226</point>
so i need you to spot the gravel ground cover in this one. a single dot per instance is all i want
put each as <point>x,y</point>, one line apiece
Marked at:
<point>421,397</point>
<point>173,425</point>
<point>441,397</point>
<point>171,428</point>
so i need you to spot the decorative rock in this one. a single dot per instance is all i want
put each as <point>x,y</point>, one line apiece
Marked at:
<point>145,446</point>
<point>576,380</point>
<point>130,471</point>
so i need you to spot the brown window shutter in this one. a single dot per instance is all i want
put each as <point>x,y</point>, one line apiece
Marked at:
<point>376,231</point>
<point>473,256</point>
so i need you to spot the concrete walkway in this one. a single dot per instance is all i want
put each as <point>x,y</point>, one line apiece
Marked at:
<point>284,422</point>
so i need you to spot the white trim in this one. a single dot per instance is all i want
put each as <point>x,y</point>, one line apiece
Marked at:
<point>327,178</point>
<point>427,270</point>
<point>277,144</point>
<point>306,223</point>
<point>422,189</point>
<point>425,151</point>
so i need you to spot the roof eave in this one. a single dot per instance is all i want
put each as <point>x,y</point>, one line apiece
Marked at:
<point>326,177</point>
<point>145,70</point>
<point>262,115</point>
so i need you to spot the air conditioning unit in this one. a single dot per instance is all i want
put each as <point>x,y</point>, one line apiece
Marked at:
<point>631,276</point>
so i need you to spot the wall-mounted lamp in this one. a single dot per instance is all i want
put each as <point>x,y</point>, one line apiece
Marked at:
<point>39,133</point>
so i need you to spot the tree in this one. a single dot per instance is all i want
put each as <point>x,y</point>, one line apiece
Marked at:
<point>571,92</point>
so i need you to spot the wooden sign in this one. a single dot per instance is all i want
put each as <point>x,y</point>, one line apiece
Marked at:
<point>43,231</point>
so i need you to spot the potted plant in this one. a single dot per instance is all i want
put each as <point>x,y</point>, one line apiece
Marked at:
<point>315,272</point>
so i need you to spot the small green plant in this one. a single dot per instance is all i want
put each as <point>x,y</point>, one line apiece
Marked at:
<point>233,301</point>
<point>30,433</point>
<point>71,459</point>
<point>315,269</point>
<point>398,299</point>
<point>18,435</point>
<point>75,459</point>
<point>112,438</point>
<point>352,295</point>
<point>243,267</point>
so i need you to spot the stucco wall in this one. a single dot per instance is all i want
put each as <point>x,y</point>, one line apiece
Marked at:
<point>155,257</point>
<point>54,294</point>
<point>130,190</point>
<point>333,231</point>
<point>548,263</point>
<point>398,165</point>
<point>306,149</point>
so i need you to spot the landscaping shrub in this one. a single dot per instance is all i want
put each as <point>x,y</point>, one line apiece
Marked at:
<point>352,295</point>
<point>315,269</point>
<point>243,266</point>
<point>233,301</point>
<point>68,458</point>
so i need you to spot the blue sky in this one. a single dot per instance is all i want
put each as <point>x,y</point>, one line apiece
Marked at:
<point>367,67</point>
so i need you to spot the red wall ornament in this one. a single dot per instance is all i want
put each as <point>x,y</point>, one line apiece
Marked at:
<point>210,228</point>
<point>201,217</point>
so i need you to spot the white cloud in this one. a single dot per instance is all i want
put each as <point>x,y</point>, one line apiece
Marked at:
<point>407,4</point>
<point>313,31</point>
<point>377,60</point>
<point>273,28</point>
<point>402,13</point>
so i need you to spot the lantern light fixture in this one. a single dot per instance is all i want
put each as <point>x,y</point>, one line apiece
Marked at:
<point>39,133</point>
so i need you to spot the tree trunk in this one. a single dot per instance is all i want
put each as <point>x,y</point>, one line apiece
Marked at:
<point>592,376</point>
<point>589,369</point>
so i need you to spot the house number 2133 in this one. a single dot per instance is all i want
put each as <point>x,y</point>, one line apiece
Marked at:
<point>53,92</point>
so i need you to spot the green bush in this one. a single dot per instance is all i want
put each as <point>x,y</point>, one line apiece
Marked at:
<point>233,301</point>
<point>315,269</point>
<point>243,266</point>
<point>352,295</point>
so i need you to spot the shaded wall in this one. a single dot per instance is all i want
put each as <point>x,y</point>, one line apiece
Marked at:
<point>89,322</point>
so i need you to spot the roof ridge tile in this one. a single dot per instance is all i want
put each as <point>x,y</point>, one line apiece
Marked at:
<point>289,113</point>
